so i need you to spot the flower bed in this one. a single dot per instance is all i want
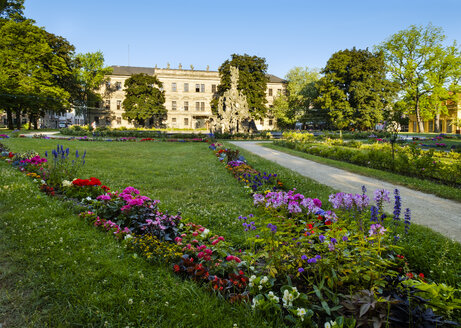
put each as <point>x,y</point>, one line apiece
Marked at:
<point>301,260</point>
<point>409,160</point>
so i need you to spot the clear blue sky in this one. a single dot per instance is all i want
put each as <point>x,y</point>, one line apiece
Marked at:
<point>201,32</point>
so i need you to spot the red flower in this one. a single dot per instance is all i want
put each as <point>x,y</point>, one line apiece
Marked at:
<point>410,275</point>
<point>10,155</point>
<point>421,275</point>
<point>176,268</point>
<point>105,188</point>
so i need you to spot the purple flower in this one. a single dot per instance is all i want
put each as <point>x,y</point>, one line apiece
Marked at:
<point>304,257</point>
<point>321,238</point>
<point>381,195</point>
<point>334,241</point>
<point>407,220</point>
<point>345,238</point>
<point>300,270</point>
<point>312,260</point>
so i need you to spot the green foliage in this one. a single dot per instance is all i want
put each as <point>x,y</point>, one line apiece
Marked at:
<point>33,67</point>
<point>144,99</point>
<point>11,10</point>
<point>355,89</point>
<point>252,81</point>
<point>301,92</point>
<point>422,67</point>
<point>90,74</point>
<point>61,167</point>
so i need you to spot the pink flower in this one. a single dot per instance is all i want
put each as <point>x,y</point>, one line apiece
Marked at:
<point>215,242</point>
<point>195,233</point>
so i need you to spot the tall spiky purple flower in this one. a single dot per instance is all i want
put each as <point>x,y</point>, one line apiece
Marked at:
<point>374,214</point>
<point>397,207</point>
<point>407,220</point>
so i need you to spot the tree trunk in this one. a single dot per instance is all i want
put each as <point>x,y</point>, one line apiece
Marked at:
<point>18,119</point>
<point>31,118</point>
<point>418,116</point>
<point>437,123</point>
<point>9,119</point>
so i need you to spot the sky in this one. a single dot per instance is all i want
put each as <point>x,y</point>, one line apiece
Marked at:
<point>287,33</point>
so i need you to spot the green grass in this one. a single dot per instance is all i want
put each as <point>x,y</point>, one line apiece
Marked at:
<point>88,278</point>
<point>56,271</point>
<point>438,189</point>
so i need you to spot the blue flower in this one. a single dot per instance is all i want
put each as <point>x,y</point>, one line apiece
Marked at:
<point>304,257</point>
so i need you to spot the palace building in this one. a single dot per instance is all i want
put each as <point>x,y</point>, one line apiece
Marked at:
<point>188,94</point>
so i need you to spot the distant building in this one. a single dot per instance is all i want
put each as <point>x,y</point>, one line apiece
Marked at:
<point>188,94</point>
<point>446,121</point>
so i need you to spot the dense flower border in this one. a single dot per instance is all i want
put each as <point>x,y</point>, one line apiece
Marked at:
<point>297,259</point>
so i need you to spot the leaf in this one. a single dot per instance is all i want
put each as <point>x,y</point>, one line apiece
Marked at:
<point>326,307</point>
<point>364,309</point>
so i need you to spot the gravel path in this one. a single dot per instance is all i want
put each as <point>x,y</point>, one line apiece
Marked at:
<point>439,214</point>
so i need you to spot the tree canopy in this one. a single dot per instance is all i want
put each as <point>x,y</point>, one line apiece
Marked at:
<point>354,88</point>
<point>252,82</point>
<point>31,68</point>
<point>11,10</point>
<point>89,74</point>
<point>423,67</point>
<point>144,99</point>
<point>301,91</point>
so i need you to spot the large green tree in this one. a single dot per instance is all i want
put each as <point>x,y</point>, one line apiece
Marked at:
<point>294,105</point>
<point>354,89</point>
<point>144,99</point>
<point>30,70</point>
<point>89,74</point>
<point>11,10</point>
<point>421,64</point>
<point>252,81</point>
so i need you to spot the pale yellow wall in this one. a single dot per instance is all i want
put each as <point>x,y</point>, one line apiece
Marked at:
<point>180,76</point>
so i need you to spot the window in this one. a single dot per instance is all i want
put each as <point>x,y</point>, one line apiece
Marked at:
<point>107,105</point>
<point>279,92</point>
<point>119,120</point>
<point>270,92</point>
<point>186,105</point>
<point>202,88</point>
<point>197,106</point>
<point>213,88</point>
<point>415,127</point>
<point>186,87</point>
<point>449,126</point>
<point>197,88</point>
<point>107,84</point>
<point>173,105</point>
<point>270,122</point>
<point>186,122</point>
<point>119,104</point>
<point>118,85</point>
<point>202,106</point>
<point>431,126</point>
<point>173,120</point>
<point>261,122</point>
<point>173,87</point>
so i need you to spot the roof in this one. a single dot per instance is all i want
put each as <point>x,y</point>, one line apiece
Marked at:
<point>130,70</point>
<point>275,79</point>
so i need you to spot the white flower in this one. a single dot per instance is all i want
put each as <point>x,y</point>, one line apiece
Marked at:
<point>260,287</point>
<point>255,303</point>
<point>43,182</point>
<point>88,198</point>
<point>66,183</point>
<point>130,301</point>
<point>327,325</point>
<point>264,280</point>
<point>205,233</point>
<point>272,297</point>
<point>301,312</point>
<point>128,236</point>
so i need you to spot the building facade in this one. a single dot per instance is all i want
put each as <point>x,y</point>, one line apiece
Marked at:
<point>447,122</point>
<point>188,94</point>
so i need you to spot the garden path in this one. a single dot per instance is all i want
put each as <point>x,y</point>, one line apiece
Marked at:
<point>441,215</point>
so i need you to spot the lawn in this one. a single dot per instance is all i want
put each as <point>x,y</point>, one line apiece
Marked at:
<point>102,281</point>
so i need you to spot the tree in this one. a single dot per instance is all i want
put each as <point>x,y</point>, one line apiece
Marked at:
<point>29,68</point>
<point>355,89</point>
<point>294,106</point>
<point>89,74</point>
<point>11,10</point>
<point>144,99</point>
<point>418,61</point>
<point>252,81</point>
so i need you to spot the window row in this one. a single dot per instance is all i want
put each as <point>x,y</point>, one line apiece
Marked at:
<point>198,87</point>
<point>270,92</point>
<point>118,85</point>
<point>186,120</point>
<point>199,106</point>
<point>261,122</point>
<point>107,104</point>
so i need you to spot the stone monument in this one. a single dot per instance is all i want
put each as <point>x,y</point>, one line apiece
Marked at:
<point>233,113</point>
